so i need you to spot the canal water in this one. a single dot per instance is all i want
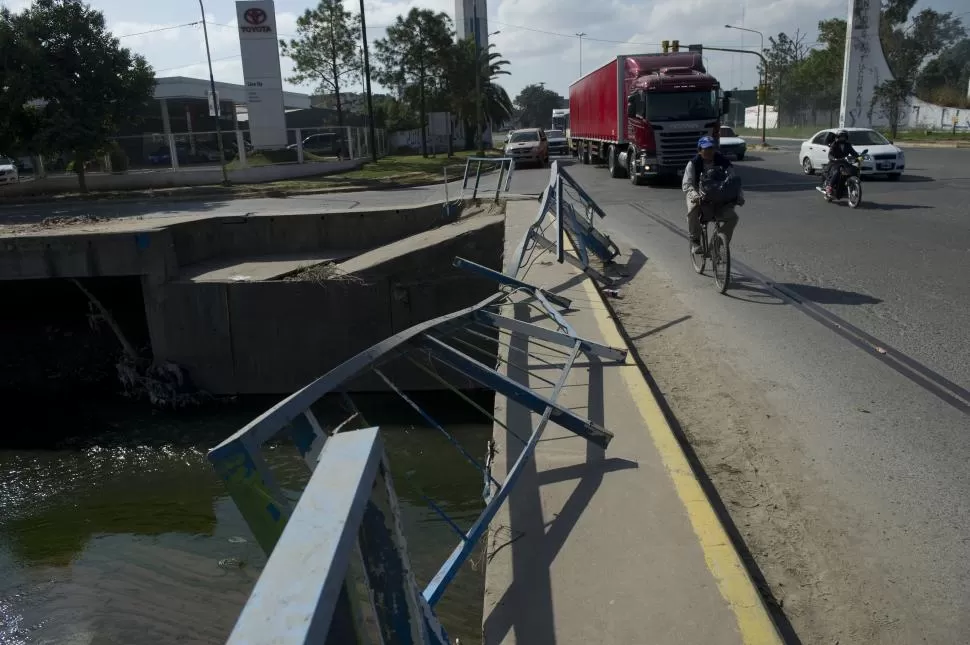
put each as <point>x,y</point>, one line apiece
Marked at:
<point>124,535</point>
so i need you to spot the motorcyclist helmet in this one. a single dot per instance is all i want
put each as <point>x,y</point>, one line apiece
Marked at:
<point>842,135</point>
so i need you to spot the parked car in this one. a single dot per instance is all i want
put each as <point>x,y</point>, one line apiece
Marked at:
<point>528,146</point>
<point>163,155</point>
<point>8,171</point>
<point>732,144</point>
<point>557,142</point>
<point>882,158</point>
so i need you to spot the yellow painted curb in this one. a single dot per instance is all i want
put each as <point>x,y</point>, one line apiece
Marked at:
<point>733,581</point>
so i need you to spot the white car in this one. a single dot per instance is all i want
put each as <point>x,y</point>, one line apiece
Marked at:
<point>731,144</point>
<point>881,158</point>
<point>8,171</point>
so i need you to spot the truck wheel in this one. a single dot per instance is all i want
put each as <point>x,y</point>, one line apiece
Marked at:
<point>616,170</point>
<point>586,156</point>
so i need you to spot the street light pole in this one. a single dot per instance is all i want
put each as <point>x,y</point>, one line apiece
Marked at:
<point>370,100</point>
<point>764,81</point>
<point>580,35</point>
<point>215,101</point>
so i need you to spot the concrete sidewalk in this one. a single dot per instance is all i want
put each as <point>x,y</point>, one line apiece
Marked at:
<point>620,546</point>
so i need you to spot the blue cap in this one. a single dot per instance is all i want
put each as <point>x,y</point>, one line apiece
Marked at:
<point>705,142</point>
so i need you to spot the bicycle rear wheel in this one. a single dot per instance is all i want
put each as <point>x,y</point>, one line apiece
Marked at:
<point>699,261</point>
<point>721,261</point>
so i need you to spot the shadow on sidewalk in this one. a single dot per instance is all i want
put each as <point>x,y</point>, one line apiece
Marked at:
<point>535,548</point>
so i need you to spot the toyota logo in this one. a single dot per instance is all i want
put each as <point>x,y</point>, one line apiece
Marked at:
<point>254,16</point>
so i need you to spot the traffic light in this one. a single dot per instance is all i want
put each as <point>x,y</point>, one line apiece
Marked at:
<point>675,45</point>
<point>665,44</point>
<point>761,94</point>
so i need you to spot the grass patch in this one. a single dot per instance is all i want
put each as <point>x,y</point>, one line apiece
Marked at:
<point>397,171</point>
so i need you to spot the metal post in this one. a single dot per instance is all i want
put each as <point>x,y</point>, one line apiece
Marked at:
<point>581,34</point>
<point>763,78</point>
<point>478,86</point>
<point>764,62</point>
<point>370,100</point>
<point>215,100</point>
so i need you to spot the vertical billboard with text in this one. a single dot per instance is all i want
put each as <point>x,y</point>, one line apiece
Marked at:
<point>259,46</point>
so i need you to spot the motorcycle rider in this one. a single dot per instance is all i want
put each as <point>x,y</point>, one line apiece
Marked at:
<point>707,157</point>
<point>838,152</point>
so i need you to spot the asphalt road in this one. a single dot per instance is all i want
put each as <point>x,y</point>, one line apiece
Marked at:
<point>877,459</point>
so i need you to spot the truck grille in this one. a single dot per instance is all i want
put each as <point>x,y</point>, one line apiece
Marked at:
<point>676,148</point>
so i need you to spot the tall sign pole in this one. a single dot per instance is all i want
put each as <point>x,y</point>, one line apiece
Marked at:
<point>370,99</point>
<point>216,112</point>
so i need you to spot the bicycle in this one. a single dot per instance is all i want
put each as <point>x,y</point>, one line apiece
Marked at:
<point>717,248</point>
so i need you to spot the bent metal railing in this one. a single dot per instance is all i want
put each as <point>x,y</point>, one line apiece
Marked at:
<point>338,569</point>
<point>506,166</point>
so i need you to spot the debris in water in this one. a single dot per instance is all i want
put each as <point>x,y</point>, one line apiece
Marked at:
<point>231,563</point>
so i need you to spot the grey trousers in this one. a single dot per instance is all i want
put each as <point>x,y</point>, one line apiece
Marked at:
<point>726,213</point>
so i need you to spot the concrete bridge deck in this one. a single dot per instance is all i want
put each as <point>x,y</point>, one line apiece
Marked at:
<point>621,546</point>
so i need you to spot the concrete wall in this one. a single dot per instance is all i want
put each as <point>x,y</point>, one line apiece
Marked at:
<point>160,252</point>
<point>88,255</point>
<point>151,179</point>
<point>275,337</point>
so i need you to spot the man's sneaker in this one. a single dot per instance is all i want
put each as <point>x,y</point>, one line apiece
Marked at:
<point>695,247</point>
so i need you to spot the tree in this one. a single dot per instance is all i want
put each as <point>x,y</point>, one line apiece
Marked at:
<point>13,90</point>
<point>784,56</point>
<point>908,46</point>
<point>460,92</point>
<point>88,84</point>
<point>325,49</point>
<point>944,79</point>
<point>891,100</point>
<point>535,104</point>
<point>414,55</point>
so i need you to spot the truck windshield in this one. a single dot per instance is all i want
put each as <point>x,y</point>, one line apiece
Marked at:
<point>675,106</point>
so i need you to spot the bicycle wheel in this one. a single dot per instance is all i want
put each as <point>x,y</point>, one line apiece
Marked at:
<point>721,261</point>
<point>699,261</point>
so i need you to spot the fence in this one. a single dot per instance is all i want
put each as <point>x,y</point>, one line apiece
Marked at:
<point>200,150</point>
<point>339,570</point>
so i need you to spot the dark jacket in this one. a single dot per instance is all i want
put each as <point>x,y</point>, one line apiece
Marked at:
<point>697,165</point>
<point>840,150</point>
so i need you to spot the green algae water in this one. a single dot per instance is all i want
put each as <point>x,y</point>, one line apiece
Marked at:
<point>126,537</point>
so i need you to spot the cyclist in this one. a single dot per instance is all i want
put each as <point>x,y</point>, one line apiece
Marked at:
<point>838,152</point>
<point>706,159</point>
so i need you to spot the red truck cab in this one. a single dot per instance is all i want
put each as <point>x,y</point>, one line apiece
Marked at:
<point>643,114</point>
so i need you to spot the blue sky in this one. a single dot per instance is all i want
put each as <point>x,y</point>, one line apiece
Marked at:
<point>536,36</point>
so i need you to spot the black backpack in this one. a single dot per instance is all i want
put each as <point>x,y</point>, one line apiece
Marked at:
<point>718,187</point>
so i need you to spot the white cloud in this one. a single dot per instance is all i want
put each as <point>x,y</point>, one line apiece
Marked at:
<point>612,27</point>
<point>625,27</point>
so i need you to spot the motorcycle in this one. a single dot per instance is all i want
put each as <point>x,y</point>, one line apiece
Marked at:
<point>848,182</point>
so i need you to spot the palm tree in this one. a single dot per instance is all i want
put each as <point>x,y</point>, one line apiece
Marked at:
<point>461,91</point>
